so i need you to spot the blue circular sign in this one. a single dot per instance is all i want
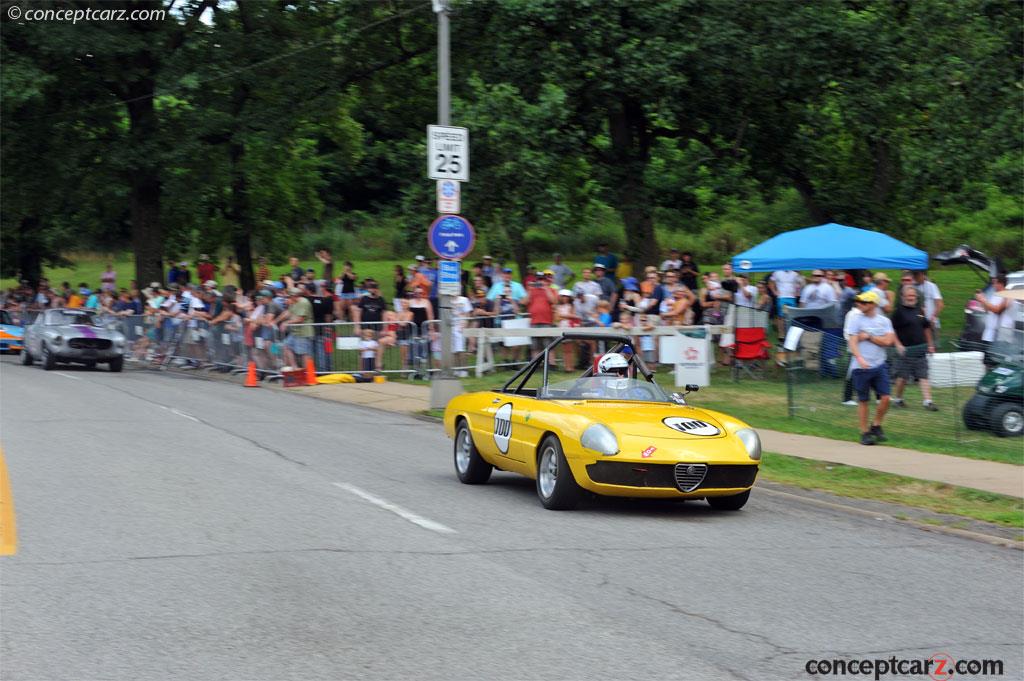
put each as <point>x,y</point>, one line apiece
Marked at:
<point>447,189</point>
<point>451,237</point>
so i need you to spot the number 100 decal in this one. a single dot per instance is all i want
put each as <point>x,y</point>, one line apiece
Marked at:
<point>503,427</point>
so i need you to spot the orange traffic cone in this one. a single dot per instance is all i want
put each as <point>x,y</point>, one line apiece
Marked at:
<point>250,377</point>
<point>310,371</point>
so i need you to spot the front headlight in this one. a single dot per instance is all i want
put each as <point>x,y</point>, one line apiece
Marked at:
<point>1000,389</point>
<point>57,340</point>
<point>751,441</point>
<point>600,438</point>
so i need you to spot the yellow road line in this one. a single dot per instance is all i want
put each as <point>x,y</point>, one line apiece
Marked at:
<point>8,534</point>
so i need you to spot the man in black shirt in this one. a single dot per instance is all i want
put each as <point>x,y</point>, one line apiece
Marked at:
<point>371,306</point>
<point>323,313</point>
<point>689,272</point>
<point>913,338</point>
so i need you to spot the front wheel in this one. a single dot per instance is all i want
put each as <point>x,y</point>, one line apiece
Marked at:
<point>556,486</point>
<point>117,364</point>
<point>469,465</point>
<point>48,359</point>
<point>1007,420</point>
<point>26,357</point>
<point>733,502</point>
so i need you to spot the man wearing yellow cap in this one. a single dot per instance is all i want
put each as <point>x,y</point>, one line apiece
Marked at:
<point>869,336</point>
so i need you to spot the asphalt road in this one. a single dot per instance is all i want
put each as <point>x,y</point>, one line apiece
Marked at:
<point>175,528</point>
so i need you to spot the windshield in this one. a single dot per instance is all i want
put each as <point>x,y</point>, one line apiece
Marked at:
<point>58,317</point>
<point>606,388</point>
<point>5,317</point>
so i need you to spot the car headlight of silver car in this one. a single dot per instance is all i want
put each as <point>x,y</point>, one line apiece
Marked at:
<point>600,438</point>
<point>57,340</point>
<point>750,440</point>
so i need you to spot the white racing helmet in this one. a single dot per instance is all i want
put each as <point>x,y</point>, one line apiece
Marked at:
<point>612,363</point>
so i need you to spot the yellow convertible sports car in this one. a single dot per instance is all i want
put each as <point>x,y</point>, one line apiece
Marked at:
<point>611,431</point>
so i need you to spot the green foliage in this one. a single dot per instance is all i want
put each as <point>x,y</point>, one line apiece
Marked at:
<point>647,123</point>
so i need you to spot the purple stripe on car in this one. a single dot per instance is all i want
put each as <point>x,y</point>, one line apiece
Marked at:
<point>86,331</point>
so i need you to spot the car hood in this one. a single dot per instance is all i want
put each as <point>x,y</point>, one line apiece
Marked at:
<point>652,420</point>
<point>82,331</point>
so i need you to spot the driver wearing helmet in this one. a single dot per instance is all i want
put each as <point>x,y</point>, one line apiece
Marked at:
<point>613,364</point>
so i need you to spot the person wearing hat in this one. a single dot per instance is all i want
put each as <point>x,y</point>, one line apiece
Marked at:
<point>869,335</point>
<point>607,260</point>
<point>607,284</point>
<point>505,286</point>
<point>205,270</point>
<point>230,274</point>
<point>886,296</point>
<point>297,324</point>
<point>631,299</point>
<point>488,268</point>
<point>818,293</point>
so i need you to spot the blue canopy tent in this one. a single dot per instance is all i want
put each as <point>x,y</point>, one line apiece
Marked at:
<point>830,247</point>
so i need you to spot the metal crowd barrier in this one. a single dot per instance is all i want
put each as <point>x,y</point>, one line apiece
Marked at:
<point>389,347</point>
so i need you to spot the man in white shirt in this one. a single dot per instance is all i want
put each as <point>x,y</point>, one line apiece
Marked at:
<point>785,284</point>
<point>587,285</point>
<point>818,293</point>
<point>931,298</point>
<point>870,334</point>
<point>746,293</point>
<point>673,262</point>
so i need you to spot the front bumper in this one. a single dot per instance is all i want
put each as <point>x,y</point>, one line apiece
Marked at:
<point>65,354</point>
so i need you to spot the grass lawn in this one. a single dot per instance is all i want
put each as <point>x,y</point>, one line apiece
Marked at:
<point>862,483</point>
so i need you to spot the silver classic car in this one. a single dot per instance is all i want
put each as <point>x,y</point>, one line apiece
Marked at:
<point>72,336</point>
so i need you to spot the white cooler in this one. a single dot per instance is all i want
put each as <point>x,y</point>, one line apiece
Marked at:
<point>948,369</point>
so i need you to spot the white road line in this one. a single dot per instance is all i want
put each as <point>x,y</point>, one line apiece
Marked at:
<point>61,373</point>
<point>413,518</point>
<point>180,413</point>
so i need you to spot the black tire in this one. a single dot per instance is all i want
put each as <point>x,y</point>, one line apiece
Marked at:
<point>974,414</point>
<point>48,360</point>
<point>730,503</point>
<point>26,357</point>
<point>1007,419</point>
<point>117,364</point>
<point>556,487</point>
<point>470,467</point>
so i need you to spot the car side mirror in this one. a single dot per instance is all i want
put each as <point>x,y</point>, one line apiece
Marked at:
<point>692,388</point>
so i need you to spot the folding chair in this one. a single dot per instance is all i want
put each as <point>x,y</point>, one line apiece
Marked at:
<point>750,349</point>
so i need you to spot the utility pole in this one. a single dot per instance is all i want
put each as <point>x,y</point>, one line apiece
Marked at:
<point>445,385</point>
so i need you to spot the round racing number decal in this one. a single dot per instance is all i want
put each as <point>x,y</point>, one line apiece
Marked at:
<point>690,426</point>
<point>503,426</point>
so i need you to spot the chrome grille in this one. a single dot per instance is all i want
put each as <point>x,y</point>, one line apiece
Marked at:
<point>690,475</point>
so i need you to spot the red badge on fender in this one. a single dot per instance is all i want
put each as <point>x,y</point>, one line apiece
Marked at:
<point>647,452</point>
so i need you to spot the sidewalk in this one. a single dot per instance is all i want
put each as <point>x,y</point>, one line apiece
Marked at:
<point>989,476</point>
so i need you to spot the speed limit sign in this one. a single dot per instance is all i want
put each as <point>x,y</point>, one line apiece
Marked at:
<point>447,153</point>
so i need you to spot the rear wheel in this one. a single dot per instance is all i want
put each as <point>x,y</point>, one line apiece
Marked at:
<point>730,503</point>
<point>26,357</point>
<point>469,465</point>
<point>48,360</point>
<point>556,486</point>
<point>117,364</point>
<point>1008,420</point>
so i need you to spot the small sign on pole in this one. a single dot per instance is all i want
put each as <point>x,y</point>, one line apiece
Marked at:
<point>449,196</point>
<point>449,277</point>
<point>447,153</point>
<point>451,237</point>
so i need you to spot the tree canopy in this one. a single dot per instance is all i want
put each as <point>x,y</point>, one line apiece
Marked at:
<point>252,127</point>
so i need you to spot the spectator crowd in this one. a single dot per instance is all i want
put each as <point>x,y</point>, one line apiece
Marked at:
<point>289,311</point>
